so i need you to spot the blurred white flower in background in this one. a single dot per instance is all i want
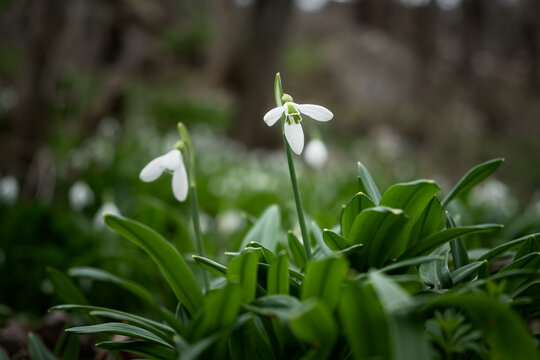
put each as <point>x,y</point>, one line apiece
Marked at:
<point>9,189</point>
<point>230,221</point>
<point>171,162</point>
<point>494,196</point>
<point>108,207</point>
<point>80,195</point>
<point>316,153</point>
<point>293,130</point>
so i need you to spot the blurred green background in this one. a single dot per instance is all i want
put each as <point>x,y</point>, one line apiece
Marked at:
<point>91,90</point>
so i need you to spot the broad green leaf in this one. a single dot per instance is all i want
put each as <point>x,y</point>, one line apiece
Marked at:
<point>428,222</point>
<point>297,250</point>
<point>278,275</point>
<point>140,321</point>
<point>170,262</point>
<point>433,241</point>
<point>410,262</point>
<point>120,329</point>
<point>65,288</point>
<point>37,350</point>
<point>407,333</point>
<point>367,185</point>
<point>365,323</point>
<point>144,348</point>
<point>312,322</point>
<point>436,273</point>
<point>503,330</point>
<point>266,229</point>
<point>243,269</point>
<point>457,246</point>
<point>323,280</point>
<point>248,342</point>
<point>472,178</point>
<point>356,205</point>
<point>529,246</point>
<point>210,265</point>
<point>412,197</point>
<point>391,295</point>
<point>334,241</point>
<point>377,228</point>
<point>267,254</point>
<point>320,251</point>
<point>464,272</point>
<point>503,248</point>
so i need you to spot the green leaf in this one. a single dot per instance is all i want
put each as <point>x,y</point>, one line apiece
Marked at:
<point>267,254</point>
<point>364,322</point>
<point>71,350</point>
<point>64,287</point>
<point>146,349</point>
<point>350,251</point>
<point>37,350</point>
<point>334,241</point>
<point>321,251</point>
<point>503,248</point>
<point>266,229</point>
<point>367,185</point>
<point>297,250</point>
<point>275,306</point>
<point>529,246</point>
<point>312,322</point>
<point>356,205</point>
<point>165,255</point>
<point>376,228</point>
<point>391,295</point>
<point>457,246</point>
<point>323,280</point>
<point>210,265</point>
<point>3,355</point>
<point>428,222</point>
<point>120,329</point>
<point>278,275</point>
<point>503,330</point>
<point>410,262</point>
<point>472,178</point>
<point>530,261</point>
<point>436,273</point>
<point>243,270</point>
<point>465,272</point>
<point>433,241</point>
<point>248,342</point>
<point>412,198</point>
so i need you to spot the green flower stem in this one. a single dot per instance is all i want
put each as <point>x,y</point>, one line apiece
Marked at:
<point>194,201</point>
<point>278,93</point>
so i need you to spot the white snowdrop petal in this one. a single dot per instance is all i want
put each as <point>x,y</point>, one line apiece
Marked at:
<point>273,115</point>
<point>316,153</point>
<point>180,183</point>
<point>152,170</point>
<point>295,137</point>
<point>316,112</point>
<point>171,160</point>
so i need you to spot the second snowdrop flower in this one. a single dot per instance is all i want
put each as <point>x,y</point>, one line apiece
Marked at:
<point>171,162</point>
<point>293,129</point>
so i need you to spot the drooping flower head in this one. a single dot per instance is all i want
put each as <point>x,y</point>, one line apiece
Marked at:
<point>171,162</point>
<point>293,130</point>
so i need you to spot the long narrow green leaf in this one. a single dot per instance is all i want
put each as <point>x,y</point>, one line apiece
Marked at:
<point>436,273</point>
<point>37,350</point>
<point>334,241</point>
<point>472,178</point>
<point>391,295</point>
<point>435,240</point>
<point>457,246</point>
<point>170,262</point>
<point>146,349</point>
<point>297,250</point>
<point>376,228</point>
<point>356,205</point>
<point>467,271</point>
<point>367,185</point>
<point>428,222</point>
<point>71,351</point>
<point>266,229</point>
<point>269,256</point>
<point>321,250</point>
<point>503,248</point>
<point>244,270</point>
<point>248,342</point>
<point>529,246</point>
<point>120,329</point>
<point>278,275</point>
<point>65,288</point>
<point>323,280</point>
<point>210,265</point>
<point>410,262</point>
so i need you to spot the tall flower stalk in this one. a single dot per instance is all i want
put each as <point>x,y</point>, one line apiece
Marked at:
<point>278,94</point>
<point>194,201</point>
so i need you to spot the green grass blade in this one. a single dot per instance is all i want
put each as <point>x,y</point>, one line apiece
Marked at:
<point>503,248</point>
<point>334,241</point>
<point>390,294</point>
<point>529,246</point>
<point>210,265</point>
<point>37,350</point>
<point>323,280</point>
<point>243,269</point>
<point>457,246</point>
<point>65,288</point>
<point>410,262</point>
<point>367,185</point>
<point>168,259</point>
<point>472,178</point>
<point>436,273</point>
<point>467,271</point>
<point>278,275</point>
<point>266,230</point>
<point>297,250</point>
<point>146,349</point>
<point>356,205</point>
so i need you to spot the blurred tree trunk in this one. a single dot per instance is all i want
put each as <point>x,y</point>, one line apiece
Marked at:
<point>472,33</point>
<point>250,68</point>
<point>530,26</point>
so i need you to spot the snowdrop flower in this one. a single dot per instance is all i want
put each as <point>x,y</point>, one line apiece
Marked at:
<point>293,129</point>
<point>9,189</point>
<point>316,153</point>
<point>171,162</point>
<point>107,208</point>
<point>80,195</point>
